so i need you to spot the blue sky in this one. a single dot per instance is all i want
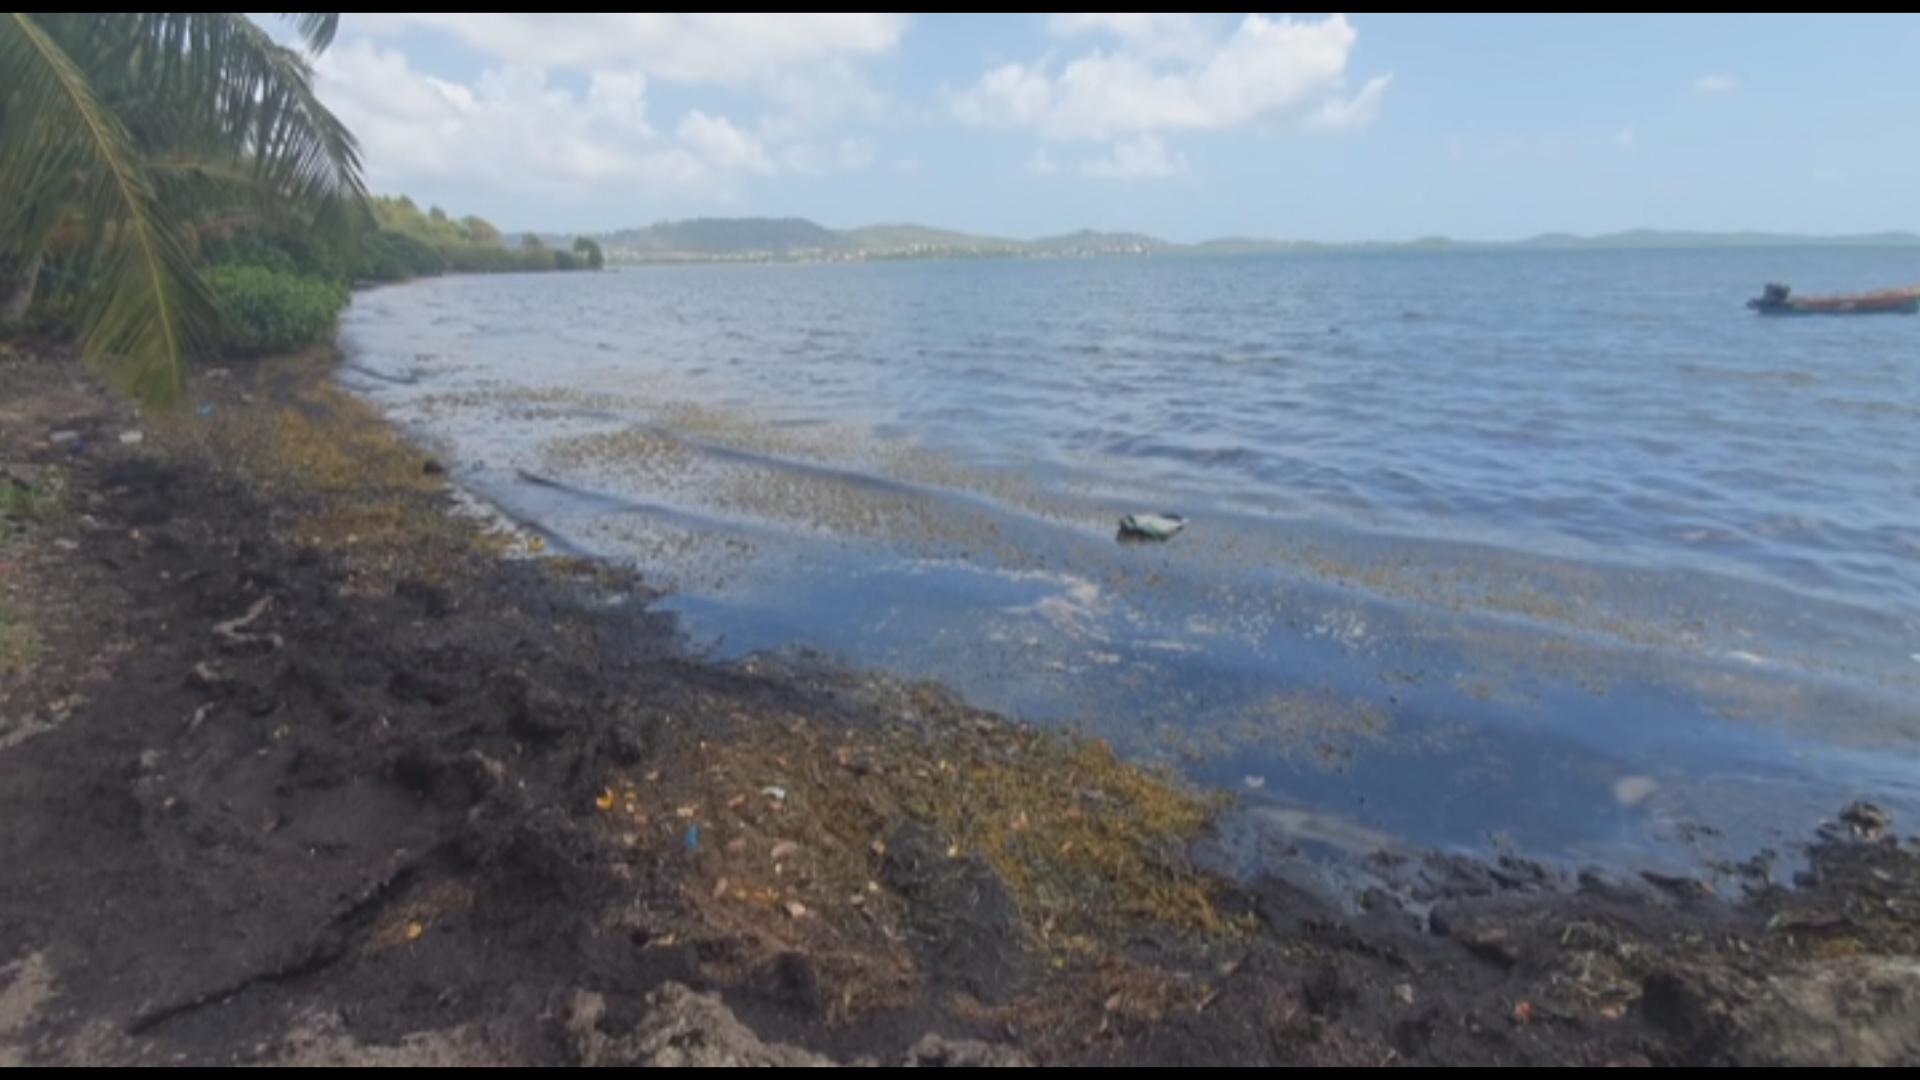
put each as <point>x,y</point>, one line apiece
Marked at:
<point>1308,126</point>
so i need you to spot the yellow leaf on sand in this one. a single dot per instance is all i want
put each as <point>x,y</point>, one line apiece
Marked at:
<point>605,801</point>
<point>414,930</point>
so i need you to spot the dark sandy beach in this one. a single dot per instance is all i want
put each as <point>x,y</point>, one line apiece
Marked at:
<point>299,765</point>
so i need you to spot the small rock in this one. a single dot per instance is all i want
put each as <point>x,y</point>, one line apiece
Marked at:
<point>1851,1012</point>
<point>61,438</point>
<point>1492,945</point>
<point>1683,888</point>
<point>1403,993</point>
<point>934,1052</point>
<point>432,467</point>
<point>531,712</point>
<point>131,438</point>
<point>682,1029</point>
<point>1868,822</point>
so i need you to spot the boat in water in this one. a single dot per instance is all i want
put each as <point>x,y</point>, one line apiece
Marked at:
<point>1778,299</point>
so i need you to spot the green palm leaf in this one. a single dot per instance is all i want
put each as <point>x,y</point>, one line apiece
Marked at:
<point>317,27</point>
<point>146,311</point>
<point>146,122</point>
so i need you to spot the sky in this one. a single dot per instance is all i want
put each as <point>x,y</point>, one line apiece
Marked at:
<point>1187,126</point>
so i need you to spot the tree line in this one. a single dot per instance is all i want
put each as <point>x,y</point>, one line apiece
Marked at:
<point>172,189</point>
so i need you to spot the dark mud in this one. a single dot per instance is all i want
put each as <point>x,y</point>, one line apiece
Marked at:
<point>295,767</point>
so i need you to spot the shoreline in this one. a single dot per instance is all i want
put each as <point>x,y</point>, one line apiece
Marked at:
<point>305,771</point>
<point>1474,699</point>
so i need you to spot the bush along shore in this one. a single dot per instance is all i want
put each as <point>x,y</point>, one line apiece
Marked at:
<point>302,764</point>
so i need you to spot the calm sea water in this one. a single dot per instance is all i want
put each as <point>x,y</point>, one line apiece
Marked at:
<point>1564,551</point>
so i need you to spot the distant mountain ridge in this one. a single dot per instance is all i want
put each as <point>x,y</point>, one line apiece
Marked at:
<point>797,239</point>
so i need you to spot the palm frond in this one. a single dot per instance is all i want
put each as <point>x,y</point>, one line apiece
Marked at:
<point>208,81</point>
<point>145,311</point>
<point>214,87</point>
<point>317,27</point>
<point>303,148</point>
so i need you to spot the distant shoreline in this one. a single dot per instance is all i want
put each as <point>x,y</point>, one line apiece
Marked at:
<point>764,240</point>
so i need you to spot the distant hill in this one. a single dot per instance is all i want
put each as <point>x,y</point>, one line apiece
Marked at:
<point>1088,242</point>
<point>726,238</point>
<point>1654,238</point>
<point>900,237</point>
<point>797,239</point>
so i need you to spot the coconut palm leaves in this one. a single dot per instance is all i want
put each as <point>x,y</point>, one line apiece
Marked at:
<point>122,132</point>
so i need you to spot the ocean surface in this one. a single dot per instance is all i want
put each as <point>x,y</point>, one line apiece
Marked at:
<point>1560,553</point>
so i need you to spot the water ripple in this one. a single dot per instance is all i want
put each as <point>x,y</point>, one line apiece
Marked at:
<point>1575,499</point>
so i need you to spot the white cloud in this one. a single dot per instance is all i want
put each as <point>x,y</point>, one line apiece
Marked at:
<point>1144,158</point>
<point>821,96</point>
<point>512,129</point>
<point>709,47</point>
<point>1267,67</point>
<point>1357,111</point>
<point>721,144</point>
<point>620,97</point>
<point>515,129</point>
<point>1715,84</point>
<point>1121,24</point>
<point>1040,164</point>
<point>1157,33</point>
<point>1009,95</point>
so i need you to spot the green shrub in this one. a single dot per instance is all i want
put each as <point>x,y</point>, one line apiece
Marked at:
<point>249,250</point>
<point>271,311</point>
<point>486,259</point>
<point>392,256</point>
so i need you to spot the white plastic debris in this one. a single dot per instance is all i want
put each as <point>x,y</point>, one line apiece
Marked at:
<point>1151,526</point>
